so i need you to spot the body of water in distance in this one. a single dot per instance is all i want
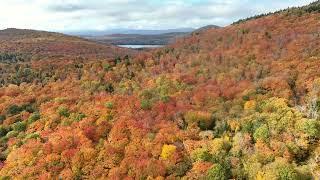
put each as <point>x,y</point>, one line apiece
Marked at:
<point>140,46</point>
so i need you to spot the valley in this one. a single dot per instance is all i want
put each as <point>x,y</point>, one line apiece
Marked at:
<point>146,38</point>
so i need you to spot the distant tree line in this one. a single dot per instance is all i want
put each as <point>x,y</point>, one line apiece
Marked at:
<point>313,7</point>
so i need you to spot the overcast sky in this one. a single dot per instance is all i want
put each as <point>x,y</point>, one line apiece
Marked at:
<point>78,15</point>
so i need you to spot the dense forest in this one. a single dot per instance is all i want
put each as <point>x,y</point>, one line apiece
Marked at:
<point>239,102</point>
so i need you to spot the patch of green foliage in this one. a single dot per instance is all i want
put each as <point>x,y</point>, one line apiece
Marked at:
<point>2,118</point>
<point>19,126</point>
<point>217,172</point>
<point>34,117</point>
<point>16,109</point>
<point>63,111</point>
<point>262,133</point>
<point>146,104</point>
<point>109,105</point>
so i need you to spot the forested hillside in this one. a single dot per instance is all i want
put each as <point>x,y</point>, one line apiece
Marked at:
<point>41,44</point>
<point>240,102</point>
<point>28,56</point>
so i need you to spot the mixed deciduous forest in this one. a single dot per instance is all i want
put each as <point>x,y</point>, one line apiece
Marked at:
<point>239,102</point>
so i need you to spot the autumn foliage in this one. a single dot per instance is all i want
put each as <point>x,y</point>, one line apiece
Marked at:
<point>240,102</point>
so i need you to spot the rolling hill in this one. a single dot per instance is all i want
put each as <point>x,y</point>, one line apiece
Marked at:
<point>48,44</point>
<point>37,56</point>
<point>239,102</point>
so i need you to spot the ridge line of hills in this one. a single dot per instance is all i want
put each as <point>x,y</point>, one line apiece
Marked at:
<point>145,39</point>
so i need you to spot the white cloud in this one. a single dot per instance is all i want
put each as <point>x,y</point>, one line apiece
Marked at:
<point>68,15</point>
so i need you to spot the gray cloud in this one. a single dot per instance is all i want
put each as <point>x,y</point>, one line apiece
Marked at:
<point>66,8</point>
<point>73,15</point>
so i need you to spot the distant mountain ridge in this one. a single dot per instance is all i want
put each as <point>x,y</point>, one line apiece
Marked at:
<point>208,27</point>
<point>138,39</point>
<point>129,31</point>
<point>146,37</point>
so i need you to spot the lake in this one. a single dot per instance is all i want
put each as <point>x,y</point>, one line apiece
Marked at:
<point>140,46</point>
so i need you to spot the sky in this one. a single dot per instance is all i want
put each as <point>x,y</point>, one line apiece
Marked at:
<point>82,15</point>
